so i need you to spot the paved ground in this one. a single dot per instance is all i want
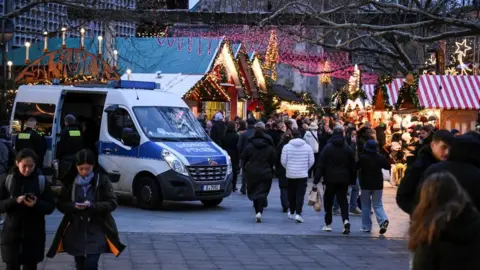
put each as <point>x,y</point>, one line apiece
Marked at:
<point>189,236</point>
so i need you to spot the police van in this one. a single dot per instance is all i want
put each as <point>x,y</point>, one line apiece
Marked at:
<point>148,141</point>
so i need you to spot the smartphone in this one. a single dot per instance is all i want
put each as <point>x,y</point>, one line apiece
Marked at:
<point>30,196</point>
<point>80,204</point>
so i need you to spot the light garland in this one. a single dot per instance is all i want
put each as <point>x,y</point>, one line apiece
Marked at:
<point>461,54</point>
<point>381,85</point>
<point>271,56</point>
<point>408,92</point>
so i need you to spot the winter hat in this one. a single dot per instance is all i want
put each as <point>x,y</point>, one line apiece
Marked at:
<point>218,116</point>
<point>454,131</point>
<point>313,126</point>
<point>371,146</point>
<point>260,125</point>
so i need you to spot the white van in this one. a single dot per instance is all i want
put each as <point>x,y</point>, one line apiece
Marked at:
<point>149,142</point>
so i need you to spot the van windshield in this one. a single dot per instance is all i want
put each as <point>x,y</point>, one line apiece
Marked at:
<point>169,124</point>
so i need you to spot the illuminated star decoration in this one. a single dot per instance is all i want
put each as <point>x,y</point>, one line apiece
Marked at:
<point>461,52</point>
<point>431,61</point>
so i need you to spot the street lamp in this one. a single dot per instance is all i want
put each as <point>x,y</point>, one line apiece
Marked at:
<point>129,74</point>
<point>115,59</point>
<point>9,64</point>
<point>6,35</point>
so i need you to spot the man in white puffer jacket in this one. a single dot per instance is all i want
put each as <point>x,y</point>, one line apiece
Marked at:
<point>297,158</point>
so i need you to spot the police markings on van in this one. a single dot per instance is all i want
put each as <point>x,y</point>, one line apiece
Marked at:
<point>149,142</point>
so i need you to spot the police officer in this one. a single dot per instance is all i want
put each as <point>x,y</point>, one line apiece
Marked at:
<point>70,143</point>
<point>32,139</point>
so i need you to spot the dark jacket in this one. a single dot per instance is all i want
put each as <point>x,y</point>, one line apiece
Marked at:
<point>105,202</point>
<point>419,148</point>
<point>23,232</point>
<point>218,131</point>
<point>407,193</point>
<point>381,138</point>
<point>456,248</point>
<point>323,138</point>
<point>276,136</point>
<point>370,174</point>
<point>33,140</point>
<point>337,163</point>
<point>246,136</point>
<point>70,142</point>
<point>258,160</point>
<point>279,169</point>
<point>229,143</point>
<point>464,163</point>
<point>362,138</point>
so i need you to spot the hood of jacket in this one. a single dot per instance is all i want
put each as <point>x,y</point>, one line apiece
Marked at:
<point>297,142</point>
<point>311,134</point>
<point>465,149</point>
<point>337,140</point>
<point>260,143</point>
<point>463,229</point>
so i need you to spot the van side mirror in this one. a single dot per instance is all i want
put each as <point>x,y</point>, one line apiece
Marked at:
<point>111,108</point>
<point>130,137</point>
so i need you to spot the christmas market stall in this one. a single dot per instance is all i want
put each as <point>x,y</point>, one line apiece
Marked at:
<point>383,97</point>
<point>291,102</point>
<point>445,101</point>
<point>351,101</point>
<point>203,71</point>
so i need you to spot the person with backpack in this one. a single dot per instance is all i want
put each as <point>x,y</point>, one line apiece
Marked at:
<point>30,138</point>
<point>25,198</point>
<point>87,201</point>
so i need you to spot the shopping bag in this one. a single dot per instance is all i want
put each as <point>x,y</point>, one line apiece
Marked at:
<point>318,203</point>
<point>312,197</point>
<point>386,175</point>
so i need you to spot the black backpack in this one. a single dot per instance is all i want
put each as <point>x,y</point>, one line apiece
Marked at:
<point>11,157</point>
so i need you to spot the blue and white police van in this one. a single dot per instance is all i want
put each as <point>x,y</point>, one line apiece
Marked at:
<point>148,141</point>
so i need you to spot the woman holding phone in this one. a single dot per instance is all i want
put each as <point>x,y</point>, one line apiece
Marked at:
<point>87,201</point>
<point>25,199</point>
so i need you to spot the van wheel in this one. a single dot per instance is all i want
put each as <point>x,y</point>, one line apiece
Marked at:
<point>148,193</point>
<point>211,203</point>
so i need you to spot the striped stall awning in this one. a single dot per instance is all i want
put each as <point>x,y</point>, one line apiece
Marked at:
<point>369,89</point>
<point>449,92</point>
<point>393,88</point>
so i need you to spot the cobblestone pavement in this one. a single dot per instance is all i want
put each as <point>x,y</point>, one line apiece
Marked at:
<point>188,236</point>
<point>232,252</point>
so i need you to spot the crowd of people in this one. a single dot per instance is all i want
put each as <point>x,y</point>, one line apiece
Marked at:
<point>436,172</point>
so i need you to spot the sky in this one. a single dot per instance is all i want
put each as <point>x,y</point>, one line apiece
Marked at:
<point>192,3</point>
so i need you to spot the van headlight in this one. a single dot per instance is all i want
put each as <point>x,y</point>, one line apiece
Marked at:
<point>229,165</point>
<point>174,162</point>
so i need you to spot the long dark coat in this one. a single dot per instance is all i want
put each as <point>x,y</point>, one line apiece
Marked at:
<point>23,234</point>
<point>259,159</point>
<point>104,204</point>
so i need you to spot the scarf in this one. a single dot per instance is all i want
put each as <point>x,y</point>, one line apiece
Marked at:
<point>84,182</point>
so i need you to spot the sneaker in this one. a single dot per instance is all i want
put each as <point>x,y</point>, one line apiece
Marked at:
<point>356,211</point>
<point>285,210</point>
<point>365,230</point>
<point>258,217</point>
<point>327,228</point>
<point>290,215</point>
<point>298,218</point>
<point>383,227</point>
<point>346,227</point>
<point>337,212</point>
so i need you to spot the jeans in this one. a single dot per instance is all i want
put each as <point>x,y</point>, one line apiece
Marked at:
<point>340,191</point>
<point>259,204</point>
<point>296,194</point>
<point>354,192</point>
<point>25,267</point>
<point>371,198</point>
<point>284,198</point>
<point>87,263</point>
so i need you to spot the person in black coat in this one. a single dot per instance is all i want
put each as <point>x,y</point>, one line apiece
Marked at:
<point>445,228</point>
<point>229,143</point>
<point>435,152</point>
<point>25,199</point>
<point>338,168</point>
<point>218,129</point>
<point>280,170</point>
<point>87,201</point>
<point>464,163</point>
<point>380,133</point>
<point>370,165</point>
<point>258,160</point>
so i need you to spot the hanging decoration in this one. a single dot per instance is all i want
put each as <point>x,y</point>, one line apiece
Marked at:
<point>407,95</point>
<point>351,96</point>
<point>325,77</point>
<point>271,57</point>
<point>381,89</point>
<point>451,71</point>
<point>461,53</point>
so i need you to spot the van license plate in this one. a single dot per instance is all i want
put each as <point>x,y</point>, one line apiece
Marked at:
<point>211,187</point>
